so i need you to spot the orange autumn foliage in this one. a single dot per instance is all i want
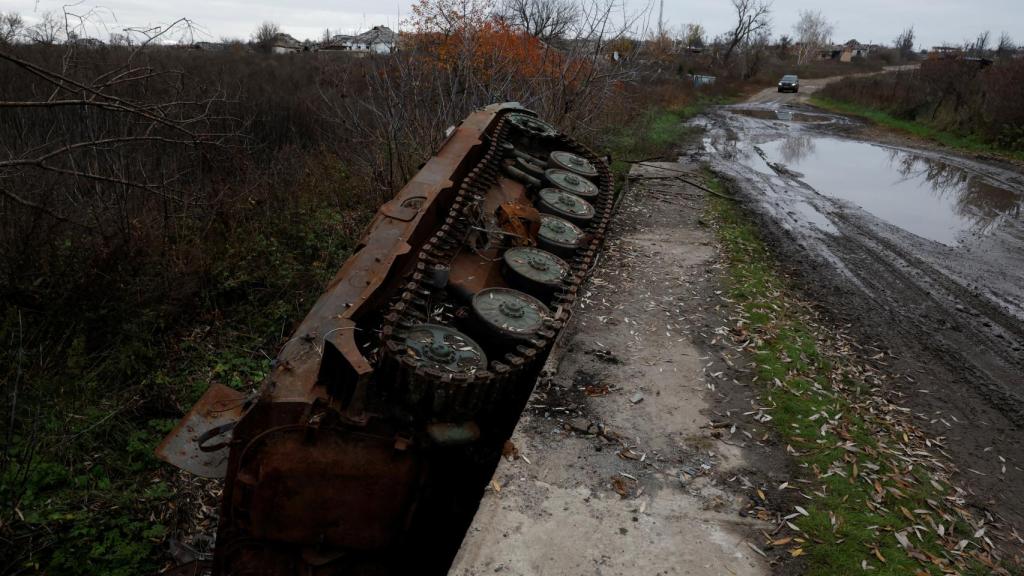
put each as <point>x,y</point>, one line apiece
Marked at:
<point>463,36</point>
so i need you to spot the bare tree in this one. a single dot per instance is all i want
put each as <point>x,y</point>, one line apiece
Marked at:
<point>754,52</point>
<point>11,27</point>
<point>545,19</point>
<point>752,18</point>
<point>783,46</point>
<point>265,35</point>
<point>979,47</point>
<point>695,36</point>
<point>905,43</point>
<point>49,30</point>
<point>1006,46</point>
<point>95,153</point>
<point>448,17</point>
<point>813,32</point>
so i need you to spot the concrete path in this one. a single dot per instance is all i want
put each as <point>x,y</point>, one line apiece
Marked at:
<point>614,469</point>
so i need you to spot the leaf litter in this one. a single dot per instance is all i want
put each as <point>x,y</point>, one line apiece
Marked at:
<point>829,398</point>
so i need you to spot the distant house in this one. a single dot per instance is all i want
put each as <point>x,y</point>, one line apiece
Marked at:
<point>845,52</point>
<point>853,49</point>
<point>286,44</point>
<point>377,40</point>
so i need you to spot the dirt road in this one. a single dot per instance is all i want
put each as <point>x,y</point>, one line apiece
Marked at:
<point>919,251</point>
<point>808,86</point>
<point>772,96</point>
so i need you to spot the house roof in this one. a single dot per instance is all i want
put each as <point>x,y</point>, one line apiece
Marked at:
<point>286,41</point>
<point>377,34</point>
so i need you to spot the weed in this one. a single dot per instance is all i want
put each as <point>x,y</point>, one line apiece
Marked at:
<point>83,492</point>
<point>655,133</point>
<point>969,143</point>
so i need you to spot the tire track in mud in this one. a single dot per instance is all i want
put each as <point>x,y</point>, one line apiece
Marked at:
<point>935,296</point>
<point>950,396</point>
<point>957,351</point>
<point>880,259</point>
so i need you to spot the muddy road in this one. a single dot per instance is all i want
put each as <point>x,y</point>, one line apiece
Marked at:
<point>920,251</point>
<point>772,98</point>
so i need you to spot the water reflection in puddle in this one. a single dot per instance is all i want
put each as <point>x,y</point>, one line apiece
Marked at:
<point>812,215</point>
<point>922,195</point>
<point>781,114</point>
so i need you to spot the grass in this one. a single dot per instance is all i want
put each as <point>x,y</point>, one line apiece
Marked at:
<point>824,406</point>
<point>655,133</point>
<point>915,129</point>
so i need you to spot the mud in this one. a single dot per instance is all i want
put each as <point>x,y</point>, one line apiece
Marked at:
<point>920,251</point>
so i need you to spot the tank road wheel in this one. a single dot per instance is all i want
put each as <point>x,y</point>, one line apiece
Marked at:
<point>509,313</point>
<point>532,125</point>
<point>572,183</point>
<point>558,235</point>
<point>573,163</point>
<point>536,271</point>
<point>444,348</point>
<point>565,205</point>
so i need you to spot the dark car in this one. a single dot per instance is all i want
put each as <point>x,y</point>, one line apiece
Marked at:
<point>789,83</point>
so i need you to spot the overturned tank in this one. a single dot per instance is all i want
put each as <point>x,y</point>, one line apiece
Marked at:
<point>367,448</point>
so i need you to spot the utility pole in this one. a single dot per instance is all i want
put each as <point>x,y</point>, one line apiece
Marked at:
<point>661,18</point>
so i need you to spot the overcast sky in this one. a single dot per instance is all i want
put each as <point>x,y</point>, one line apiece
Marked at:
<point>876,21</point>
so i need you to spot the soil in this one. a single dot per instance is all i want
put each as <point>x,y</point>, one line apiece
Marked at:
<point>951,314</point>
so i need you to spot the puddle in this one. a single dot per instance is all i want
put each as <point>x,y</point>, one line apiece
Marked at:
<point>922,195</point>
<point>812,215</point>
<point>781,114</point>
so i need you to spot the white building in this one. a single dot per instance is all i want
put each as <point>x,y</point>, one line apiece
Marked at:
<point>285,44</point>
<point>377,40</point>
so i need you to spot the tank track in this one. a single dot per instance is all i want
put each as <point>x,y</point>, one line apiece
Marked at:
<point>457,397</point>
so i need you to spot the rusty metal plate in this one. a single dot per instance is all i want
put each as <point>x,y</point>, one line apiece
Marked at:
<point>219,408</point>
<point>328,487</point>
